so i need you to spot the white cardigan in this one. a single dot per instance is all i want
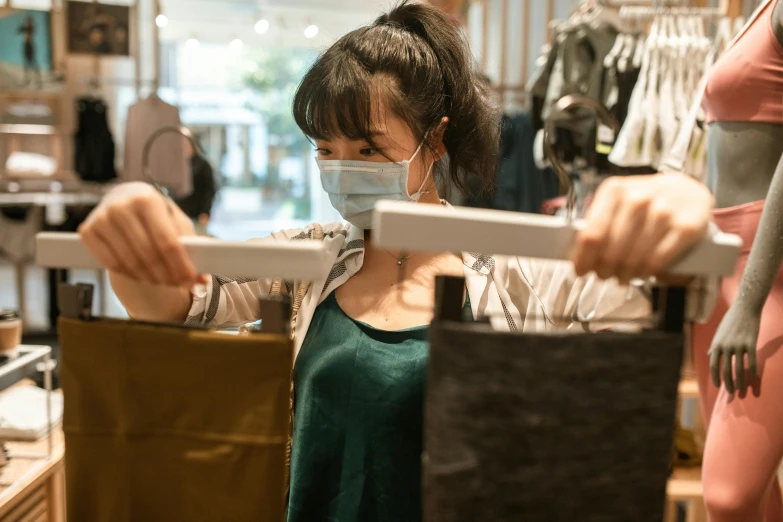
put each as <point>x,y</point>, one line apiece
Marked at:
<point>517,294</point>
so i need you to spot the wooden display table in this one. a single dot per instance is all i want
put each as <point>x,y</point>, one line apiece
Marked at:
<point>32,483</point>
<point>33,489</point>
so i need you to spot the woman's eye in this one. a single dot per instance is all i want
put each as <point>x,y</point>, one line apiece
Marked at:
<point>322,152</point>
<point>368,152</point>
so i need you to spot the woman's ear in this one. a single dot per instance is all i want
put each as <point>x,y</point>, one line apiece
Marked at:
<point>438,147</point>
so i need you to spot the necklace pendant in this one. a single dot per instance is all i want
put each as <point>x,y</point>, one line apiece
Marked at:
<point>400,262</point>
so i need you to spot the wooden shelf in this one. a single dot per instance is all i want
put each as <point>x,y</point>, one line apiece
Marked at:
<point>61,176</point>
<point>688,388</point>
<point>33,486</point>
<point>33,93</point>
<point>685,484</point>
<point>30,129</point>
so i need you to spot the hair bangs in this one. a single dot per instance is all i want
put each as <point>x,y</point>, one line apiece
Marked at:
<point>335,100</point>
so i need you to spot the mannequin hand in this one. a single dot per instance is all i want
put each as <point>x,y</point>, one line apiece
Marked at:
<point>135,231</point>
<point>736,336</point>
<point>638,225</point>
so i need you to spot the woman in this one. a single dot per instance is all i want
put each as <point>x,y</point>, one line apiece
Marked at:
<point>383,105</point>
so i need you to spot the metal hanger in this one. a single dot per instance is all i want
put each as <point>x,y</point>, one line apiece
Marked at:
<point>145,153</point>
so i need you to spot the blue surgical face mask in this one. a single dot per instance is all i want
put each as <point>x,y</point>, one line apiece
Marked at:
<point>355,186</point>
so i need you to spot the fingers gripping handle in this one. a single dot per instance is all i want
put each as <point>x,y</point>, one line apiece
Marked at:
<point>432,228</point>
<point>301,260</point>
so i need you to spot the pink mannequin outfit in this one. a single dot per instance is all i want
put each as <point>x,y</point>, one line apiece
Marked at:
<point>745,433</point>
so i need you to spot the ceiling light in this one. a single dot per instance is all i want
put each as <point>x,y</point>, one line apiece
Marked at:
<point>262,26</point>
<point>311,31</point>
<point>192,43</point>
<point>161,20</point>
<point>236,45</point>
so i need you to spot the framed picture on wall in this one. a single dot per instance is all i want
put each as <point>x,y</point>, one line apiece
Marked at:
<point>95,28</point>
<point>25,49</point>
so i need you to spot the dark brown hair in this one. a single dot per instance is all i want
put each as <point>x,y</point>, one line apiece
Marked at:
<point>420,61</point>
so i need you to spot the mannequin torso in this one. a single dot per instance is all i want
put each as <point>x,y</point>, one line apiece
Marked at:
<point>742,157</point>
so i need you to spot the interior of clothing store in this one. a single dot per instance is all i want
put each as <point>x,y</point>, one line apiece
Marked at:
<point>385,260</point>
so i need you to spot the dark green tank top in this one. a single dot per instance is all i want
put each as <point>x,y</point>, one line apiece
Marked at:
<point>357,441</point>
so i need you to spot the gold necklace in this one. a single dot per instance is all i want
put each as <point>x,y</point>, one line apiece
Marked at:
<point>400,259</point>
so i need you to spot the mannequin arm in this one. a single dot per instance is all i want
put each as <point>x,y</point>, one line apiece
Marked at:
<point>738,332</point>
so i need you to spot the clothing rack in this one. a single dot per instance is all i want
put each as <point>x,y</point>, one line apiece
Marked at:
<point>644,12</point>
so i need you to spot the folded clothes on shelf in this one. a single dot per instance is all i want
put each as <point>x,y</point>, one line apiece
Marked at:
<point>23,413</point>
<point>27,163</point>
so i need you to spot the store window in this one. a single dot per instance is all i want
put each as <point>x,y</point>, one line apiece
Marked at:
<point>238,102</point>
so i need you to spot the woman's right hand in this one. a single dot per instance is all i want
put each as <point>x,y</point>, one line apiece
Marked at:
<point>134,231</point>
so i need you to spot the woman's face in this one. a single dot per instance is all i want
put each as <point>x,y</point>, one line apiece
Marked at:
<point>393,140</point>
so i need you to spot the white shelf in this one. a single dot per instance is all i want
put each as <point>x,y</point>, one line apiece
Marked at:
<point>23,363</point>
<point>31,129</point>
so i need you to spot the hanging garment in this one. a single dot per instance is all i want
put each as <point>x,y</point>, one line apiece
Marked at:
<point>93,142</point>
<point>574,66</point>
<point>627,149</point>
<point>168,165</point>
<point>667,108</point>
<point>174,424</point>
<point>548,427</point>
<point>580,49</point>
<point>625,82</point>
<point>519,184</point>
<point>358,430</point>
<point>651,139</point>
<point>620,78</point>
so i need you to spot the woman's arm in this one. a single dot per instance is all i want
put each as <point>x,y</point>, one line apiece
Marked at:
<point>635,228</point>
<point>145,302</point>
<point>135,233</point>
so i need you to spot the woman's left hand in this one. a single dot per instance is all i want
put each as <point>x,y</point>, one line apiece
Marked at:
<point>638,225</point>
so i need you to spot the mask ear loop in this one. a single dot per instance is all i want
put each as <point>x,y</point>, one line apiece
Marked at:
<point>419,193</point>
<point>404,254</point>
